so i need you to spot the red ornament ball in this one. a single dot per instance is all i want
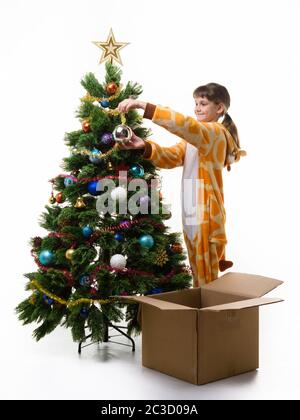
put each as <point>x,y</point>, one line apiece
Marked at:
<point>59,198</point>
<point>86,126</point>
<point>177,248</point>
<point>111,88</point>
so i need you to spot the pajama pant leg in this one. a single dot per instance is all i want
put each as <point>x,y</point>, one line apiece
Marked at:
<point>204,257</point>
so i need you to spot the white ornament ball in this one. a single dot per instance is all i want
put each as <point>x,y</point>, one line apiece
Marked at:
<point>118,261</point>
<point>119,193</point>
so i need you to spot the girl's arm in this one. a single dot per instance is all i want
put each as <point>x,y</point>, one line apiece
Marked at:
<point>199,134</point>
<point>165,157</point>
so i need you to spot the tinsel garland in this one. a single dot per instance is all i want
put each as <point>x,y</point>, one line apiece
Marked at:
<point>35,285</point>
<point>124,225</point>
<point>89,153</point>
<point>89,98</point>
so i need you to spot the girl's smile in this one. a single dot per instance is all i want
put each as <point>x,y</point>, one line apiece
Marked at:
<point>207,111</point>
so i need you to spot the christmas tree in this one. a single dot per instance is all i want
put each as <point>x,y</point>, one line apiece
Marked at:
<point>105,239</point>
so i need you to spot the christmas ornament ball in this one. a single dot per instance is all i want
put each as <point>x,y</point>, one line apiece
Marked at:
<point>84,312</point>
<point>84,280</point>
<point>176,248</point>
<point>68,181</point>
<point>156,290</point>
<point>69,253</point>
<point>119,193</point>
<point>122,133</point>
<point>104,104</point>
<point>87,231</point>
<point>107,139</point>
<point>119,236</point>
<point>118,261</point>
<point>95,156</point>
<point>46,257</point>
<point>48,300</point>
<point>137,170</point>
<point>146,241</point>
<point>92,188</point>
<point>59,197</point>
<point>111,88</point>
<point>86,126</point>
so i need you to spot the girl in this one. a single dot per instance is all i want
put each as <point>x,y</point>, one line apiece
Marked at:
<point>206,146</point>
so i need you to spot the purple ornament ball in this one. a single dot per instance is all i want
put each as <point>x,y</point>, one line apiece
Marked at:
<point>107,139</point>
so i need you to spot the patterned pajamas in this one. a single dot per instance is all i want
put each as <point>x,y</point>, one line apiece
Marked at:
<point>203,151</point>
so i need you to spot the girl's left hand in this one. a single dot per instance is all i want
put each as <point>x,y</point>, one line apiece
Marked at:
<point>128,104</point>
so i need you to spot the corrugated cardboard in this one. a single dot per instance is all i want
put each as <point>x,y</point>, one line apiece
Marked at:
<point>208,333</point>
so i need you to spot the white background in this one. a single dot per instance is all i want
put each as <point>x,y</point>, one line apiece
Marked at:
<point>251,48</point>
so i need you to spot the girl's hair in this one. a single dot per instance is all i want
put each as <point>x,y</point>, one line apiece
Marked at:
<point>219,94</point>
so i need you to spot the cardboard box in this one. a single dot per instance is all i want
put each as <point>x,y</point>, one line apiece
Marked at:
<point>208,333</point>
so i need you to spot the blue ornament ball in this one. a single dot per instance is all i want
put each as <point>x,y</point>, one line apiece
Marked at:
<point>169,249</point>
<point>68,181</point>
<point>84,312</point>
<point>95,156</point>
<point>84,280</point>
<point>119,236</point>
<point>48,300</point>
<point>146,241</point>
<point>92,188</point>
<point>137,170</point>
<point>87,231</point>
<point>46,257</point>
<point>156,290</point>
<point>104,104</point>
<point>107,139</point>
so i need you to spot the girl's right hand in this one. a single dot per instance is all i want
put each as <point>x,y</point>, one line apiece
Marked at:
<point>134,143</point>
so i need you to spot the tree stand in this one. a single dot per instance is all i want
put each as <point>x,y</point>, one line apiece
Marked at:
<point>107,325</point>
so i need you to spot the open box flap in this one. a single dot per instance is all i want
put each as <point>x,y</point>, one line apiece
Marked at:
<point>242,284</point>
<point>242,304</point>
<point>161,304</point>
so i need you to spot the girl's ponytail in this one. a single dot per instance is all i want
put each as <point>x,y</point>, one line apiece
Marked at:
<point>233,150</point>
<point>231,127</point>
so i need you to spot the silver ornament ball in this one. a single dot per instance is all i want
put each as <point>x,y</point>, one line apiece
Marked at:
<point>122,133</point>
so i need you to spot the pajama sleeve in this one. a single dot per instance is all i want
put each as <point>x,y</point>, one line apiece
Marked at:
<point>165,157</point>
<point>199,134</point>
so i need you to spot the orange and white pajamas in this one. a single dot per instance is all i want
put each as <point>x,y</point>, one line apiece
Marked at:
<point>205,148</point>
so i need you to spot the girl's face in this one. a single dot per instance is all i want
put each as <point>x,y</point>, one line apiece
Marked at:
<point>206,110</point>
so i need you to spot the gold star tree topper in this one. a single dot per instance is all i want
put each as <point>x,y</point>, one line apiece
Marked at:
<point>111,48</point>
